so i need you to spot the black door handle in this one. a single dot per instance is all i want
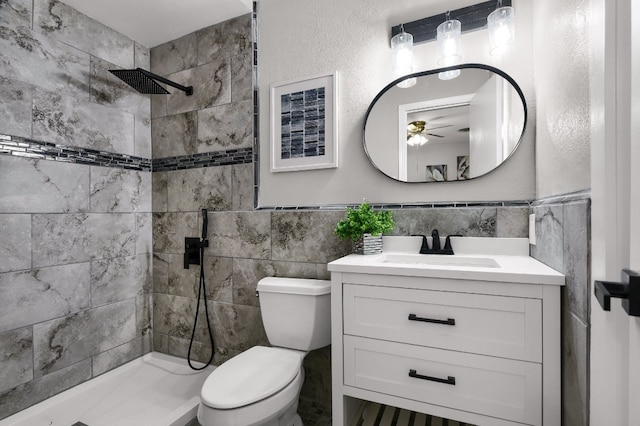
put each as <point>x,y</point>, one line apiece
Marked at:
<point>628,290</point>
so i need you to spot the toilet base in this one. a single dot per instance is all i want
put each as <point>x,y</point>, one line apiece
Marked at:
<point>290,417</point>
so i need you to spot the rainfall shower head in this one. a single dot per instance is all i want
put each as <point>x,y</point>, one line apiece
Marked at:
<point>145,82</point>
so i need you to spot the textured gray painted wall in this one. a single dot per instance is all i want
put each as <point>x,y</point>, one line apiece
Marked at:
<point>563,98</point>
<point>291,48</point>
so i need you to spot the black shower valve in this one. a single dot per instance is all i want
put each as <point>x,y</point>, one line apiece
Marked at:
<point>195,243</point>
<point>192,248</point>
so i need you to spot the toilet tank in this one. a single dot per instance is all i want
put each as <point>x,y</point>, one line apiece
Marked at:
<point>296,312</point>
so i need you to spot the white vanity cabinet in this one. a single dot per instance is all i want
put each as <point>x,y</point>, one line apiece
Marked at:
<point>477,346</point>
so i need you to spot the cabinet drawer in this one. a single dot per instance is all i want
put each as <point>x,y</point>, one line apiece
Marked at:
<point>501,388</point>
<point>508,327</point>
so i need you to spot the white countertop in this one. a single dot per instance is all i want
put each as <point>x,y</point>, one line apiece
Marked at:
<point>513,263</point>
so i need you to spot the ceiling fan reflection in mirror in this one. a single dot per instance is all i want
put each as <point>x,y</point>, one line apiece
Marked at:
<point>417,132</point>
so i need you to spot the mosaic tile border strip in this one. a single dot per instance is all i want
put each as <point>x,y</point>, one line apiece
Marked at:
<point>256,107</point>
<point>207,159</point>
<point>457,204</point>
<point>28,148</point>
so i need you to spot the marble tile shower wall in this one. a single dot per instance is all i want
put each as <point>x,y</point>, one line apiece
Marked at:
<point>218,119</point>
<point>75,246</point>
<point>563,226</point>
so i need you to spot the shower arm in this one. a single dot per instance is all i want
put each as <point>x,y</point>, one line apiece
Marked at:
<point>187,90</point>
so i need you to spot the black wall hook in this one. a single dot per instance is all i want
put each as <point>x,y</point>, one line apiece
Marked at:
<point>628,290</point>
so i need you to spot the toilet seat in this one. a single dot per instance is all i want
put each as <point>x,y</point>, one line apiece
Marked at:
<point>252,376</point>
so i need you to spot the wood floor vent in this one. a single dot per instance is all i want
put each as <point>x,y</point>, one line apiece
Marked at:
<point>374,414</point>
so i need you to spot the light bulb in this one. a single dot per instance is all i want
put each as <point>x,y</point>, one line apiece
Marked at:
<point>449,47</point>
<point>417,140</point>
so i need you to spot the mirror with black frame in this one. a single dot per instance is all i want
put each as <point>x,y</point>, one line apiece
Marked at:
<point>445,129</point>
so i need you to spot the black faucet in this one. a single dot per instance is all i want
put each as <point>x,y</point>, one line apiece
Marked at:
<point>435,236</point>
<point>435,249</point>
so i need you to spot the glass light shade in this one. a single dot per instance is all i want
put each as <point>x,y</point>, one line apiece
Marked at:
<point>416,140</point>
<point>449,47</point>
<point>402,57</point>
<point>448,37</point>
<point>501,29</point>
<point>448,62</point>
<point>448,75</point>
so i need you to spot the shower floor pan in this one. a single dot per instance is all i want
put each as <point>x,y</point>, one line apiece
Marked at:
<point>155,389</point>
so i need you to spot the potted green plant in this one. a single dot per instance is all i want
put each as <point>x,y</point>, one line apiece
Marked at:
<point>365,227</point>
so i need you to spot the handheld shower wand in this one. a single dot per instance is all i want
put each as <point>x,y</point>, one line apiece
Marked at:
<point>205,222</point>
<point>202,291</point>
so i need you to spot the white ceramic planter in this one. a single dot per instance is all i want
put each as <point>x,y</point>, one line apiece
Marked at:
<point>368,244</point>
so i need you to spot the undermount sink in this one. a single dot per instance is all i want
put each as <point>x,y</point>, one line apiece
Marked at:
<point>441,260</point>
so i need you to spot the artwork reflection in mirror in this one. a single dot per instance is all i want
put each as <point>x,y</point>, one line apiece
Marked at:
<point>467,126</point>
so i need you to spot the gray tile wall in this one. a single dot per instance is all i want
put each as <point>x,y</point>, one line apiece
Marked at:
<point>75,246</point>
<point>217,118</point>
<point>563,227</point>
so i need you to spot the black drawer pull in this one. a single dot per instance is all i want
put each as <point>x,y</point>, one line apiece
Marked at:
<point>450,380</point>
<point>448,321</point>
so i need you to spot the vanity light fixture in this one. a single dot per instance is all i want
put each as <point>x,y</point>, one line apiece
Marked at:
<point>501,29</point>
<point>402,57</point>
<point>475,17</point>
<point>449,46</point>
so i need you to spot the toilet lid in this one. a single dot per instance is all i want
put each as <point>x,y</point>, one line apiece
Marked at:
<point>250,377</point>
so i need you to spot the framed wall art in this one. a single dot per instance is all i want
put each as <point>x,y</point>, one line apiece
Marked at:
<point>304,133</point>
<point>463,167</point>
<point>437,173</point>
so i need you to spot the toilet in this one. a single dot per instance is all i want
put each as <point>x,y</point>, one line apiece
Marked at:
<point>261,386</point>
